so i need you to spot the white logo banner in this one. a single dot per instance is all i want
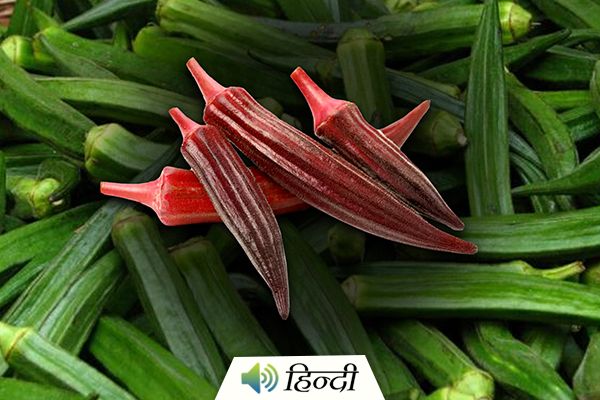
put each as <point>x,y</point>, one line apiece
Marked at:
<point>309,377</point>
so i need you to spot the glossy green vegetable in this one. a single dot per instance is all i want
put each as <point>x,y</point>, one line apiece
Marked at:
<point>486,121</point>
<point>565,99</point>
<point>563,67</point>
<point>439,134</point>
<point>14,389</point>
<point>165,297</point>
<point>147,369</point>
<point>105,12</point>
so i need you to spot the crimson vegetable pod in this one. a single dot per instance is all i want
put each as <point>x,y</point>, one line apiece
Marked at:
<point>313,172</point>
<point>239,201</point>
<point>178,198</point>
<point>341,124</point>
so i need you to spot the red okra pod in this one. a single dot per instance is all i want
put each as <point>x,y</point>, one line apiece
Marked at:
<point>178,198</point>
<point>313,172</point>
<point>239,201</point>
<point>340,124</point>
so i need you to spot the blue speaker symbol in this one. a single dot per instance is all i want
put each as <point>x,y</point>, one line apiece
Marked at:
<point>268,378</point>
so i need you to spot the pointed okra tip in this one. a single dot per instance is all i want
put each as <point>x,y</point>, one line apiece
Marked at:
<point>282,302</point>
<point>322,106</point>
<point>207,85</point>
<point>186,125</point>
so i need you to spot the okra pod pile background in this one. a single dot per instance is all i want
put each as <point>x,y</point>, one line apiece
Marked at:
<point>99,298</point>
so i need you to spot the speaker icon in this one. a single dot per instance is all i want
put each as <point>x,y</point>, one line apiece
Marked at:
<point>254,378</point>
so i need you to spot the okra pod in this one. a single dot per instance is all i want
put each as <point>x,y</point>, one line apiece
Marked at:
<point>2,190</point>
<point>38,111</point>
<point>23,244</point>
<point>436,358</point>
<point>22,21</point>
<point>224,242</point>
<point>572,357</point>
<point>20,50</point>
<point>28,154</point>
<point>33,198</point>
<point>548,341</point>
<point>486,121</point>
<point>36,358</point>
<point>135,103</point>
<point>164,295</point>
<point>106,12</point>
<point>582,122</point>
<point>200,265</point>
<point>445,294</point>
<point>439,134</point>
<point>306,10</point>
<point>362,61</point>
<point>147,369</point>
<point>346,244</point>
<point>515,56</point>
<point>317,297</point>
<point>562,100</point>
<point>420,33</point>
<point>15,389</point>
<point>531,173</point>
<point>512,363</point>
<point>266,8</point>
<point>563,67</point>
<point>112,153</point>
<point>571,13</point>
<point>17,283</point>
<point>586,379</point>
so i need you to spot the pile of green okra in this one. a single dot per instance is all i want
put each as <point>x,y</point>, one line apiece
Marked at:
<point>98,299</point>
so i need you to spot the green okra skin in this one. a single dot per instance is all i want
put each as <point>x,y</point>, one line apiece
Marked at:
<point>105,12</point>
<point>20,50</point>
<point>315,231</point>
<point>12,223</point>
<point>542,127</point>
<point>42,19</point>
<point>38,111</point>
<point>361,58</point>
<point>582,122</point>
<point>73,316</point>
<point>346,244</point>
<point>581,180</point>
<point>548,341</point>
<point>22,20</point>
<point>473,295</point>
<point>125,64</point>
<point>252,291</point>
<point>530,173</point>
<point>562,100</point>
<point>64,171</point>
<point>114,154</point>
<point>37,359</point>
<point>512,363</point>
<point>447,179</point>
<point>582,35</point>
<point>566,235</point>
<point>398,376</point>
<point>123,299</point>
<point>272,105</point>
<point>68,64</point>
<point>414,34</point>
<point>28,154</point>
<point>571,358</point>
<point>265,8</point>
<point>225,243</point>
<point>32,198</point>
<point>571,13</point>
<point>147,369</point>
<point>436,358</point>
<point>223,60</point>
<point>384,268</point>
<point>45,236</point>
<point>120,100</point>
<point>197,18</point>
<point>215,295</point>
<point>486,121</point>
<point>586,381</point>
<point>2,190</point>
<point>515,56</point>
<point>563,67</point>
<point>16,284</point>
<point>595,88</point>
<point>306,10</point>
<point>165,297</point>
<point>12,135</point>
<point>81,250</point>
<point>121,37</point>
<point>439,134</point>
<point>317,297</point>
<point>15,389</point>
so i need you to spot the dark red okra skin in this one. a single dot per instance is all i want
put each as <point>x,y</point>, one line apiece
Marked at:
<point>241,204</point>
<point>310,171</point>
<point>349,133</point>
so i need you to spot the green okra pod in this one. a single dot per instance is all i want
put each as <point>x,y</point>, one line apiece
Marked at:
<point>439,134</point>
<point>215,295</point>
<point>164,295</point>
<point>15,389</point>
<point>473,295</point>
<point>120,100</point>
<point>147,369</point>
<point>515,56</point>
<point>512,363</point>
<point>20,50</point>
<point>571,13</point>
<point>225,243</point>
<point>105,12</point>
<point>37,359</point>
<point>346,244</point>
<point>22,21</point>
<point>28,154</point>
<point>546,340</point>
<point>17,283</point>
<point>530,173</point>
<point>38,111</point>
<point>565,99</point>
<point>582,122</point>
<point>306,10</point>
<point>112,153</point>
<point>586,381</point>
<point>265,8</point>
<point>563,67</point>
<point>361,57</point>
<point>436,358</point>
<point>486,121</point>
<point>571,358</point>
